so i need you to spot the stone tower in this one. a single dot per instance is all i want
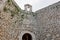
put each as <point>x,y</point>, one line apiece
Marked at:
<point>28,8</point>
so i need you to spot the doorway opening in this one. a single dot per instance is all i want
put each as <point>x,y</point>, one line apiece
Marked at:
<point>26,36</point>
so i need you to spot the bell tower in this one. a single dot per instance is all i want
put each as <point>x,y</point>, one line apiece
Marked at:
<point>28,8</point>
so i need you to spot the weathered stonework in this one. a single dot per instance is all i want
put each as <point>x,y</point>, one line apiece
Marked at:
<point>43,24</point>
<point>49,22</point>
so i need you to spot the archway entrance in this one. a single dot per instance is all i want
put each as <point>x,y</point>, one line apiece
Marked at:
<point>26,36</point>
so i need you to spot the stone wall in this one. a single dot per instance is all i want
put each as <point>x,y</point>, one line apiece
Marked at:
<point>44,24</point>
<point>14,22</point>
<point>9,20</point>
<point>49,22</point>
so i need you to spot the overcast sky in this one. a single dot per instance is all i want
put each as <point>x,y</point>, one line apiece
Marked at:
<point>36,4</point>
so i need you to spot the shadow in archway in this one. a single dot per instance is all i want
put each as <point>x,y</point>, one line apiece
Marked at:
<point>26,36</point>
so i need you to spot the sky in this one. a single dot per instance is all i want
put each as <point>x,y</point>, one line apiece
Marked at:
<point>36,4</point>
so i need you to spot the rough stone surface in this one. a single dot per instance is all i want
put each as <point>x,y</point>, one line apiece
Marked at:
<point>49,22</point>
<point>44,24</point>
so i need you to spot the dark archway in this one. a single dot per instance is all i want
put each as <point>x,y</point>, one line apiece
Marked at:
<point>26,36</point>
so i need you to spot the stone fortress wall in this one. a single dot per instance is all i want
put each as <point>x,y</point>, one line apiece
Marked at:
<point>14,22</point>
<point>41,25</point>
<point>49,22</point>
<point>9,20</point>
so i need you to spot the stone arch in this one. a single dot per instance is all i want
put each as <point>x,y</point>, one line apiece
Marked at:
<point>30,33</point>
<point>26,36</point>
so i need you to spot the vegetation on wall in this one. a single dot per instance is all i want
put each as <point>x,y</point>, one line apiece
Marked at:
<point>5,9</point>
<point>13,12</point>
<point>16,10</point>
<point>9,0</point>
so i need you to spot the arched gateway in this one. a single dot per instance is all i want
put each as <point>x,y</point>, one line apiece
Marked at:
<point>26,35</point>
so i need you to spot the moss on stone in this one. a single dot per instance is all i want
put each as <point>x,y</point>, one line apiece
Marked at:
<point>5,9</point>
<point>13,12</point>
<point>9,1</point>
